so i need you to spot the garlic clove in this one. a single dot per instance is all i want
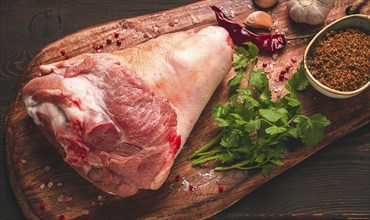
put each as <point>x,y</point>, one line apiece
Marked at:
<point>259,19</point>
<point>311,12</point>
<point>265,3</point>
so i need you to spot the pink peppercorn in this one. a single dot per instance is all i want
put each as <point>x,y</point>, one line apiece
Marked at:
<point>264,65</point>
<point>61,217</point>
<point>46,180</point>
<point>221,188</point>
<point>118,43</point>
<point>109,41</point>
<point>62,52</point>
<point>66,57</point>
<point>178,177</point>
<point>191,187</point>
<point>281,77</point>
<point>42,206</point>
<point>116,35</point>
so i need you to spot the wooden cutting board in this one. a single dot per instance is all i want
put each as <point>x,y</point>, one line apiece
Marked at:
<point>38,174</point>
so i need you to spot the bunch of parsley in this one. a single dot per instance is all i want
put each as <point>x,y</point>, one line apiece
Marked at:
<point>254,128</point>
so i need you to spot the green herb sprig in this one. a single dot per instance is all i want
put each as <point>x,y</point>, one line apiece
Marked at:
<point>254,128</point>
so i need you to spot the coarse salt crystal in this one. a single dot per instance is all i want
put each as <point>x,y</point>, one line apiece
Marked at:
<point>23,161</point>
<point>100,198</point>
<point>208,175</point>
<point>67,199</point>
<point>50,184</point>
<point>42,186</point>
<point>185,183</point>
<point>68,208</point>
<point>60,184</point>
<point>60,198</point>
<point>47,168</point>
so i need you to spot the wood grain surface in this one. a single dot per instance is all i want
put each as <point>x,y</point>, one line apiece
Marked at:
<point>29,155</point>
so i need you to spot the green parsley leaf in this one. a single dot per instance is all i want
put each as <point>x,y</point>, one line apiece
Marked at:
<point>258,80</point>
<point>319,120</point>
<point>254,128</point>
<point>266,170</point>
<point>298,81</point>
<point>275,130</point>
<point>273,114</point>
<point>235,81</point>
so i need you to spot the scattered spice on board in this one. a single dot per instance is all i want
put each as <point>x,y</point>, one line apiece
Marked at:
<point>47,168</point>
<point>177,177</point>
<point>85,212</point>
<point>221,188</point>
<point>42,206</point>
<point>341,60</point>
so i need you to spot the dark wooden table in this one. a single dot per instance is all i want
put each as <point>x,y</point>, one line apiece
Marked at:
<point>332,184</point>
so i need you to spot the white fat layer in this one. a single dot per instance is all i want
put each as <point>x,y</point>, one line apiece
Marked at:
<point>55,114</point>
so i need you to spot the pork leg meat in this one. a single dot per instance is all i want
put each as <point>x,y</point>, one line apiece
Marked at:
<point>120,119</point>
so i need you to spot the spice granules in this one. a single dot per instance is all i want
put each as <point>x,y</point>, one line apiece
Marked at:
<point>341,61</point>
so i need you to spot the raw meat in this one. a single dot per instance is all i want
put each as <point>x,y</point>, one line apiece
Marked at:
<point>120,119</point>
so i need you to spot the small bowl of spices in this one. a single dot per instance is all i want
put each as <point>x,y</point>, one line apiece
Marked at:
<point>337,60</point>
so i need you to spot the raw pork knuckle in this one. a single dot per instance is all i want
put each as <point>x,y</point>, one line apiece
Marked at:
<point>120,119</point>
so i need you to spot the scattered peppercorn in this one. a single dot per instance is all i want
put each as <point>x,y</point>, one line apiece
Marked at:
<point>264,65</point>
<point>109,41</point>
<point>281,77</point>
<point>191,187</point>
<point>118,43</point>
<point>177,177</point>
<point>46,180</point>
<point>42,206</point>
<point>61,217</point>
<point>116,35</point>
<point>283,71</point>
<point>66,57</point>
<point>101,46</point>
<point>221,188</point>
<point>63,52</point>
<point>341,60</point>
<point>171,23</point>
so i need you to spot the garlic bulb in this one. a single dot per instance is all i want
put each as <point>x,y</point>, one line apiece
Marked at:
<point>309,11</point>
<point>265,3</point>
<point>259,19</point>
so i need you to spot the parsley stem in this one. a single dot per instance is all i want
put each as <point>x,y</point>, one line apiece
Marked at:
<point>203,160</point>
<point>206,146</point>
<point>240,166</point>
